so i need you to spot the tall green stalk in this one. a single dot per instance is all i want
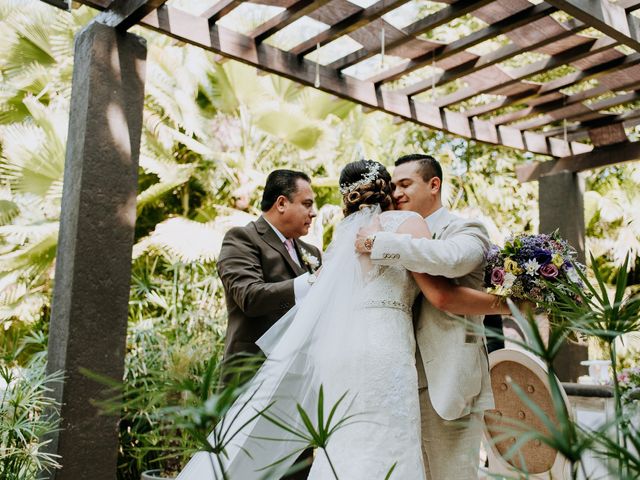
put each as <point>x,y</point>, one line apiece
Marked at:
<point>621,429</point>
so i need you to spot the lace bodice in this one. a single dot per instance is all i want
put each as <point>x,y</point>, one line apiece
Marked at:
<point>390,286</point>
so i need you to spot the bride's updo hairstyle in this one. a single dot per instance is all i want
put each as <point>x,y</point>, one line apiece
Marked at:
<point>363,183</point>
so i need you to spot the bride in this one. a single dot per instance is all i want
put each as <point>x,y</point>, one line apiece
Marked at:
<point>352,336</point>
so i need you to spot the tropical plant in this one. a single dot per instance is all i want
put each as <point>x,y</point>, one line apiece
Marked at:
<point>175,334</point>
<point>613,224</point>
<point>594,315</point>
<point>28,414</point>
<point>598,315</point>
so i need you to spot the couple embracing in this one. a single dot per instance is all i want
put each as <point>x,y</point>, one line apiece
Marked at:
<point>372,328</point>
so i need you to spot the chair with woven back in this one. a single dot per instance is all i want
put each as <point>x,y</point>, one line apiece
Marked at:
<point>509,367</point>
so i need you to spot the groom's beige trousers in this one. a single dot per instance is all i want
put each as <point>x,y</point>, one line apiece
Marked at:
<point>450,447</point>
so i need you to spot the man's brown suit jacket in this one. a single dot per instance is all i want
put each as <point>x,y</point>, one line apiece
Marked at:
<point>257,273</point>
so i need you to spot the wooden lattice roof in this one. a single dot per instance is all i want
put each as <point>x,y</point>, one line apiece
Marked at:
<point>593,45</point>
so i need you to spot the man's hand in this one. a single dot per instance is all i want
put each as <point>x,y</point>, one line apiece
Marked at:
<point>363,239</point>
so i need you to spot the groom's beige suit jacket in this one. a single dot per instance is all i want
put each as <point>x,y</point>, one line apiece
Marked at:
<point>454,358</point>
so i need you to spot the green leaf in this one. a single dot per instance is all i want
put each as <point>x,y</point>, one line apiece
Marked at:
<point>289,126</point>
<point>220,90</point>
<point>8,211</point>
<point>393,467</point>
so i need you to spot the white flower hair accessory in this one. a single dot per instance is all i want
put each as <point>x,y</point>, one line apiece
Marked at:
<point>368,177</point>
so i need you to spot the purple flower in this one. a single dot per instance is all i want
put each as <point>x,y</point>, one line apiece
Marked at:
<point>497,276</point>
<point>542,256</point>
<point>493,253</point>
<point>549,270</point>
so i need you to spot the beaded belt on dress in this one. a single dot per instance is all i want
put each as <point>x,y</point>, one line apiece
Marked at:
<point>387,304</point>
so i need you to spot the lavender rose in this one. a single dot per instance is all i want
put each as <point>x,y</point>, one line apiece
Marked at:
<point>497,276</point>
<point>549,270</point>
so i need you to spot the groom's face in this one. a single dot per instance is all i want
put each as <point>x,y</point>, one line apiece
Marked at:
<point>411,192</point>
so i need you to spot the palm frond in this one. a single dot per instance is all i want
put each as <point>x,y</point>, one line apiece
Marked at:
<point>31,42</point>
<point>37,251</point>
<point>289,124</point>
<point>183,240</point>
<point>8,211</point>
<point>160,189</point>
<point>171,175</point>
<point>220,91</point>
<point>33,154</point>
<point>319,105</point>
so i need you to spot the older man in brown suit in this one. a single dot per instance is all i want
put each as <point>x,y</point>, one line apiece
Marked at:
<point>265,268</point>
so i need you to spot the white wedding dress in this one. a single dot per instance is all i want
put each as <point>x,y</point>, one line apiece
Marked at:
<point>353,334</point>
<point>383,369</point>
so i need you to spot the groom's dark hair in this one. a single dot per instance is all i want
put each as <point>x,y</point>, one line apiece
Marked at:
<point>428,167</point>
<point>281,182</point>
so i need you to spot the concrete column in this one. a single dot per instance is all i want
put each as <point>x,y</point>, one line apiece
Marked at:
<point>562,208</point>
<point>93,266</point>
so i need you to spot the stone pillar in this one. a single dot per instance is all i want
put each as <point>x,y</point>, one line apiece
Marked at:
<point>93,266</point>
<point>562,208</point>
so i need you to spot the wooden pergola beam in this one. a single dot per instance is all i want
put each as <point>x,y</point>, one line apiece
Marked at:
<point>629,5</point>
<point>196,30</point>
<point>586,113</point>
<point>219,9</point>
<point>593,121</point>
<point>436,19</point>
<point>486,60</point>
<point>287,17</point>
<point>554,103</point>
<point>599,157</point>
<point>608,17</point>
<point>124,14</point>
<point>347,25</point>
<point>63,4</point>
<point>564,108</point>
<point>528,15</point>
<point>555,85</point>
<point>587,49</point>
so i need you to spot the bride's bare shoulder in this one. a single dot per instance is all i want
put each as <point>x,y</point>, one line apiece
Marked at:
<point>392,220</point>
<point>400,214</point>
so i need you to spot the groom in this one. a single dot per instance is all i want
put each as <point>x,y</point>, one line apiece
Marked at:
<point>453,375</point>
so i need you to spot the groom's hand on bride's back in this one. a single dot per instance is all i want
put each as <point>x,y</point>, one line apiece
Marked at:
<point>366,237</point>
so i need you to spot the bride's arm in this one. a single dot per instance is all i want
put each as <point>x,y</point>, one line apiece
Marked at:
<point>442,293</point>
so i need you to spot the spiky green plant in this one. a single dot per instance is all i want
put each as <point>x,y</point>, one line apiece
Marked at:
<point>27,415</point>
<point>597,315</point>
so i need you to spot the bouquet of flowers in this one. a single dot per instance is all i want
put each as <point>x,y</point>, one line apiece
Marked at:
<point>522,269</point>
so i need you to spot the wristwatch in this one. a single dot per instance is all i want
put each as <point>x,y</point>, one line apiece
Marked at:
<point>368,242</point>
